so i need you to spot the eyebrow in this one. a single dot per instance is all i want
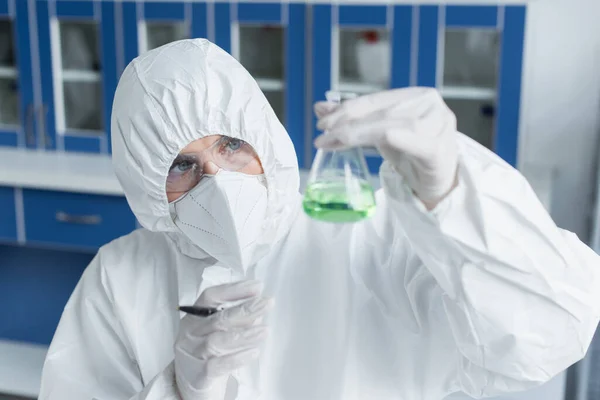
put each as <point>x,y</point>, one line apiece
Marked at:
<point>183,157</point>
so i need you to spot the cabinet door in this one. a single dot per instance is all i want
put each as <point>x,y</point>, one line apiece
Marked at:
<point>473,55</point>
<point>152,24</point>
<point>8,215</point>
<point>78,73</point>
<point>16,89</point>
<point>360,49</point>
<point>269,41</point>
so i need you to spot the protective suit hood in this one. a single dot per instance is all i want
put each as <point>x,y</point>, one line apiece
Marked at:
<point>181,92</point>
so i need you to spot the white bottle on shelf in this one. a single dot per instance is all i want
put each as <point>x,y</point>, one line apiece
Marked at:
<point>373,59</point>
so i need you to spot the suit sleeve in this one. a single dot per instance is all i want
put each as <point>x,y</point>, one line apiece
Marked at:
<point>521,296</point>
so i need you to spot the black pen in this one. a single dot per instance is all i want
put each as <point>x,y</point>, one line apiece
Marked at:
<point>198,311</point>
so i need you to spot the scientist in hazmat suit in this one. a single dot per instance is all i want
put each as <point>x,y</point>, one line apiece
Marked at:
<point>459,282</point>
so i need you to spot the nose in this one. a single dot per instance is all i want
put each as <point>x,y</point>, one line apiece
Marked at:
<point>210,168</point>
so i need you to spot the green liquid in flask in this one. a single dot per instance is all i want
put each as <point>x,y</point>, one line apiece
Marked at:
<point>332,202</point>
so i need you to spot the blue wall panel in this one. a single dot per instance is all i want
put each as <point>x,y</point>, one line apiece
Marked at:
<point>222,24</point>
<point>428,46</point>
<point>199,20</point>
<point>472,16</point>
<point>110,73</point>
<point>259,12</point>
<point>74,9</point>
<point>401,46</point>
<point>321,57</point>
<point>130,31</point>
<point>363,15</point>
<point>296,78</point>
<point>4,8</point>
<point>84,144</point>
<point>164,11</point>
<point>509,97</point>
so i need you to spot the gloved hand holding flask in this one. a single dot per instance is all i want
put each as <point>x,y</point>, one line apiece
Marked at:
<point>412,128</point>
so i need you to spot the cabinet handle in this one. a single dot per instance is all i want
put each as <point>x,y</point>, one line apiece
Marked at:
<point>78,219</point>
<point>29,133</point>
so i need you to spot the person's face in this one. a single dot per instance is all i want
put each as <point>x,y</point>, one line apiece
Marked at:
<point>206,156</point>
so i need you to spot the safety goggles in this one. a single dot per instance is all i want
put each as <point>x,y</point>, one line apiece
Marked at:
<point>227,153</point>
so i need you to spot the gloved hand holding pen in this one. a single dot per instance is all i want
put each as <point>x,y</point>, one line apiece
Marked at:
<point>209,348</point>
<point>412,128</point>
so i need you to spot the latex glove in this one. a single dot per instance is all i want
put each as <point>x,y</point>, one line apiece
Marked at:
<point>412,128</point>
<point>209,349</point>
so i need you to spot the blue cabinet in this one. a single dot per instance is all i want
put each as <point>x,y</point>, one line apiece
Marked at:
<point>63,59</point>
<point>269,40</point>
<point>8,215</point>
<point>16,88</point>
<point>75,220</point>
<point>77,48</point>
<point>35,287</point>
<point>474,56</point>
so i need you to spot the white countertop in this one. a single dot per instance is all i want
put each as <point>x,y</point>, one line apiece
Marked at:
<point>21,373</point>
<point>71,172</point>
<point>551,390</point>
<point>21,368</point>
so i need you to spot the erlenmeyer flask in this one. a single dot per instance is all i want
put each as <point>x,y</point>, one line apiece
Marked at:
<point>338,188</point>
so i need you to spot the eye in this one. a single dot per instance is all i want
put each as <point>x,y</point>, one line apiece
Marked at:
<point>233,144</point>
<point>181,166</point>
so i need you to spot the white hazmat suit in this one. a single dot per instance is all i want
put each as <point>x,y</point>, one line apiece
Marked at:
<point>484,294</point>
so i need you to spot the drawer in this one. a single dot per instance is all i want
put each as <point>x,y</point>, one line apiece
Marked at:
<point>8,215</point>
<point>75,219</point>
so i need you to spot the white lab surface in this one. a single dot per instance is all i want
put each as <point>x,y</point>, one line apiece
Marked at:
<point>49,170</point>
<point>20,368</point>
<point>483,295</point>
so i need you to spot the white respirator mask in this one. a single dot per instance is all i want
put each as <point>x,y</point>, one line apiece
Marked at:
<point>224,215</point>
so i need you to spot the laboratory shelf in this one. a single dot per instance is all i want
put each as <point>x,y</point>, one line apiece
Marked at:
<point>268,84</point>
<point>72,75</point>
<point>360,87</point>
<point>8,72</point>
<point>468,93</point>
